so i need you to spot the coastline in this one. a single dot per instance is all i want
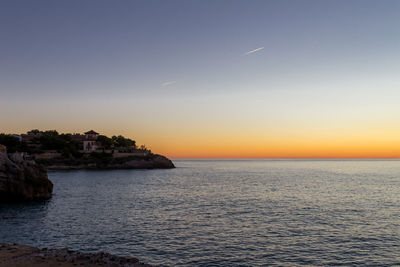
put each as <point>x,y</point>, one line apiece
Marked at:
<point>139,163</point>
<point>23,255</point>
<point>80,151</point>
<point>27,180</point>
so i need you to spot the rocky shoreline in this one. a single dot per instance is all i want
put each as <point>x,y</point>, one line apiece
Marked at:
<point>22,255</point>
<point>153,162</point>
<point>22,180</point>
<point>25,180</point>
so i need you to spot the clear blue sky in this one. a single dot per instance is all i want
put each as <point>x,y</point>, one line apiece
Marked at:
<point>175,73</point>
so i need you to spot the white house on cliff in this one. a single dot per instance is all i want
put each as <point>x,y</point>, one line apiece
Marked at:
<point>89,143</point>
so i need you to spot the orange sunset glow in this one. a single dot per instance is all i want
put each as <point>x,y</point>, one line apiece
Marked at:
<point>301,90</point>
<point>199,133</point>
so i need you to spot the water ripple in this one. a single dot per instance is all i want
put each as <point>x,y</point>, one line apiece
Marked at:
<point>223,213</point>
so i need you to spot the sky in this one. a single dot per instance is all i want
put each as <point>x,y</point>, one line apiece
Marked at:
<point>208,79</point>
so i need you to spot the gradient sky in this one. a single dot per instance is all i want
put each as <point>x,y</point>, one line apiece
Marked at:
<point>208,79</point>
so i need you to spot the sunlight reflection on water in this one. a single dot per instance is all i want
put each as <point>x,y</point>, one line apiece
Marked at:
<point>222,212</point>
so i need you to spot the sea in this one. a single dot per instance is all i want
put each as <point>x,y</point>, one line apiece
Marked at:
<point>222,213</point>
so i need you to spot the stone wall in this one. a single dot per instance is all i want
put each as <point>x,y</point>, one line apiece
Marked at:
<point>124,155</point>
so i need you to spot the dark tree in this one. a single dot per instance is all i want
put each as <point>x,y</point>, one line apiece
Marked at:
<point>35,131</point>
<point>120,141</point>
<point>105,141</point>
<point>13,144</point>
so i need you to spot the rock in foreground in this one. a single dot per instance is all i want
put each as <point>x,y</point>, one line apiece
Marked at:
<point>21,255</point>
<point>22,180</point>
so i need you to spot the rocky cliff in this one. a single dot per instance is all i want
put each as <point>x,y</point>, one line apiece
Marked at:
<point>22,180</point>
<point>152,161</point>
<point>155,162</point>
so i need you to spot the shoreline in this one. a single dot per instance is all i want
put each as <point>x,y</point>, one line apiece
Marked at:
<point>24,255</point>
<point>154,161</point>
<point>89,168</point>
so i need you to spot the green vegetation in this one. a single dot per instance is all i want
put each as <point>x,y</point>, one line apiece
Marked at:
<point>43,145</point>
<point>105,141</point>
<point>35,131</point>
<point>120,141</point>
<point>116,141</point>
<point>51,140</point>
<point>42,141</point>
<point>12,143</point>
<point>101,158</point>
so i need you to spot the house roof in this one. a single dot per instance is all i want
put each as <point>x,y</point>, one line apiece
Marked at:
<point>91,132</point>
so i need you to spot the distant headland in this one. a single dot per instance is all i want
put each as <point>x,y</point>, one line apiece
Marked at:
<point>89,150</point>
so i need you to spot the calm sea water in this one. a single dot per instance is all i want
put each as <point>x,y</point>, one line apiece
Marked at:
<point>222,213</point>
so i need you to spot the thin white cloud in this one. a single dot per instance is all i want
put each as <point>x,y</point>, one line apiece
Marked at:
<point>168,83</point>
<point>253,51</point>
